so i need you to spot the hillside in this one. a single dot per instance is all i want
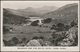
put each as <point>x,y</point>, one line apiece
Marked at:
<point>10,18</point>
<point>65,14</point>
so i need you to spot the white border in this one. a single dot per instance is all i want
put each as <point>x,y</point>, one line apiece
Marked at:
<point>56,48</point>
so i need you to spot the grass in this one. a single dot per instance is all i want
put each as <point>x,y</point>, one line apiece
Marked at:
<point>27,32</point>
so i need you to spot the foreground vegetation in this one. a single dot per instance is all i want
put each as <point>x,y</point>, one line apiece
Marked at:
<point>56,35</point>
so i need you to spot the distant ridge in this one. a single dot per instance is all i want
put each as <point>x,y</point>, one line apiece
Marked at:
<point>64,14</point>
<point>30,11</point>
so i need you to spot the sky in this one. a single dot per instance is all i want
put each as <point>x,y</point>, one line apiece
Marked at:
<point>34,4</point>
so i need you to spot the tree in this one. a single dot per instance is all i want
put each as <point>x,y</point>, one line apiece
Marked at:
<point>35,23</point>
<point>58,27</point>
<point>48,20</point>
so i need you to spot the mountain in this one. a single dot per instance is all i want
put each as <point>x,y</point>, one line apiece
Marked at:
<point>30,11</point>
<point>37,11</point>
<point>18,16</point>
<point>11,18</point>
<point>65,14</point>
<point>46,9</point>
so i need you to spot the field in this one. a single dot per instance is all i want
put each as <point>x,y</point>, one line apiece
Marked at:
<point>28,32</point>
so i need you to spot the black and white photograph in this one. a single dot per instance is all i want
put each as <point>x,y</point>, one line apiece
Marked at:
<point>40,23</point>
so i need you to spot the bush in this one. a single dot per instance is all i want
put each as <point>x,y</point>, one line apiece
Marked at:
<point>67,27</point>
<point>53,27</point>
<point>48,20</point>
<point>35,23</point>
<point>73,23</point>
<point>57,37</point>
<point>15,40</point>
<point>5,30</point>
<point>60,25</point>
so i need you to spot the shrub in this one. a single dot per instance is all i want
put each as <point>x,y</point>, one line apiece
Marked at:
<point>57,37</point>
<point>60,25</point>
<point>35,23</point>
<point>48,20</point>
<point>15,40</point>
<point>73,23</point>
<point>5,29</point>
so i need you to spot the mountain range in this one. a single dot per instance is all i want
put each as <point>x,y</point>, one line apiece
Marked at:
<point>30,11</point>
<point>64,14</point>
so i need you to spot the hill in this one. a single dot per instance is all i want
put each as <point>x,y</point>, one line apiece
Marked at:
<point>10,18</point>
<point>65,14</point>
